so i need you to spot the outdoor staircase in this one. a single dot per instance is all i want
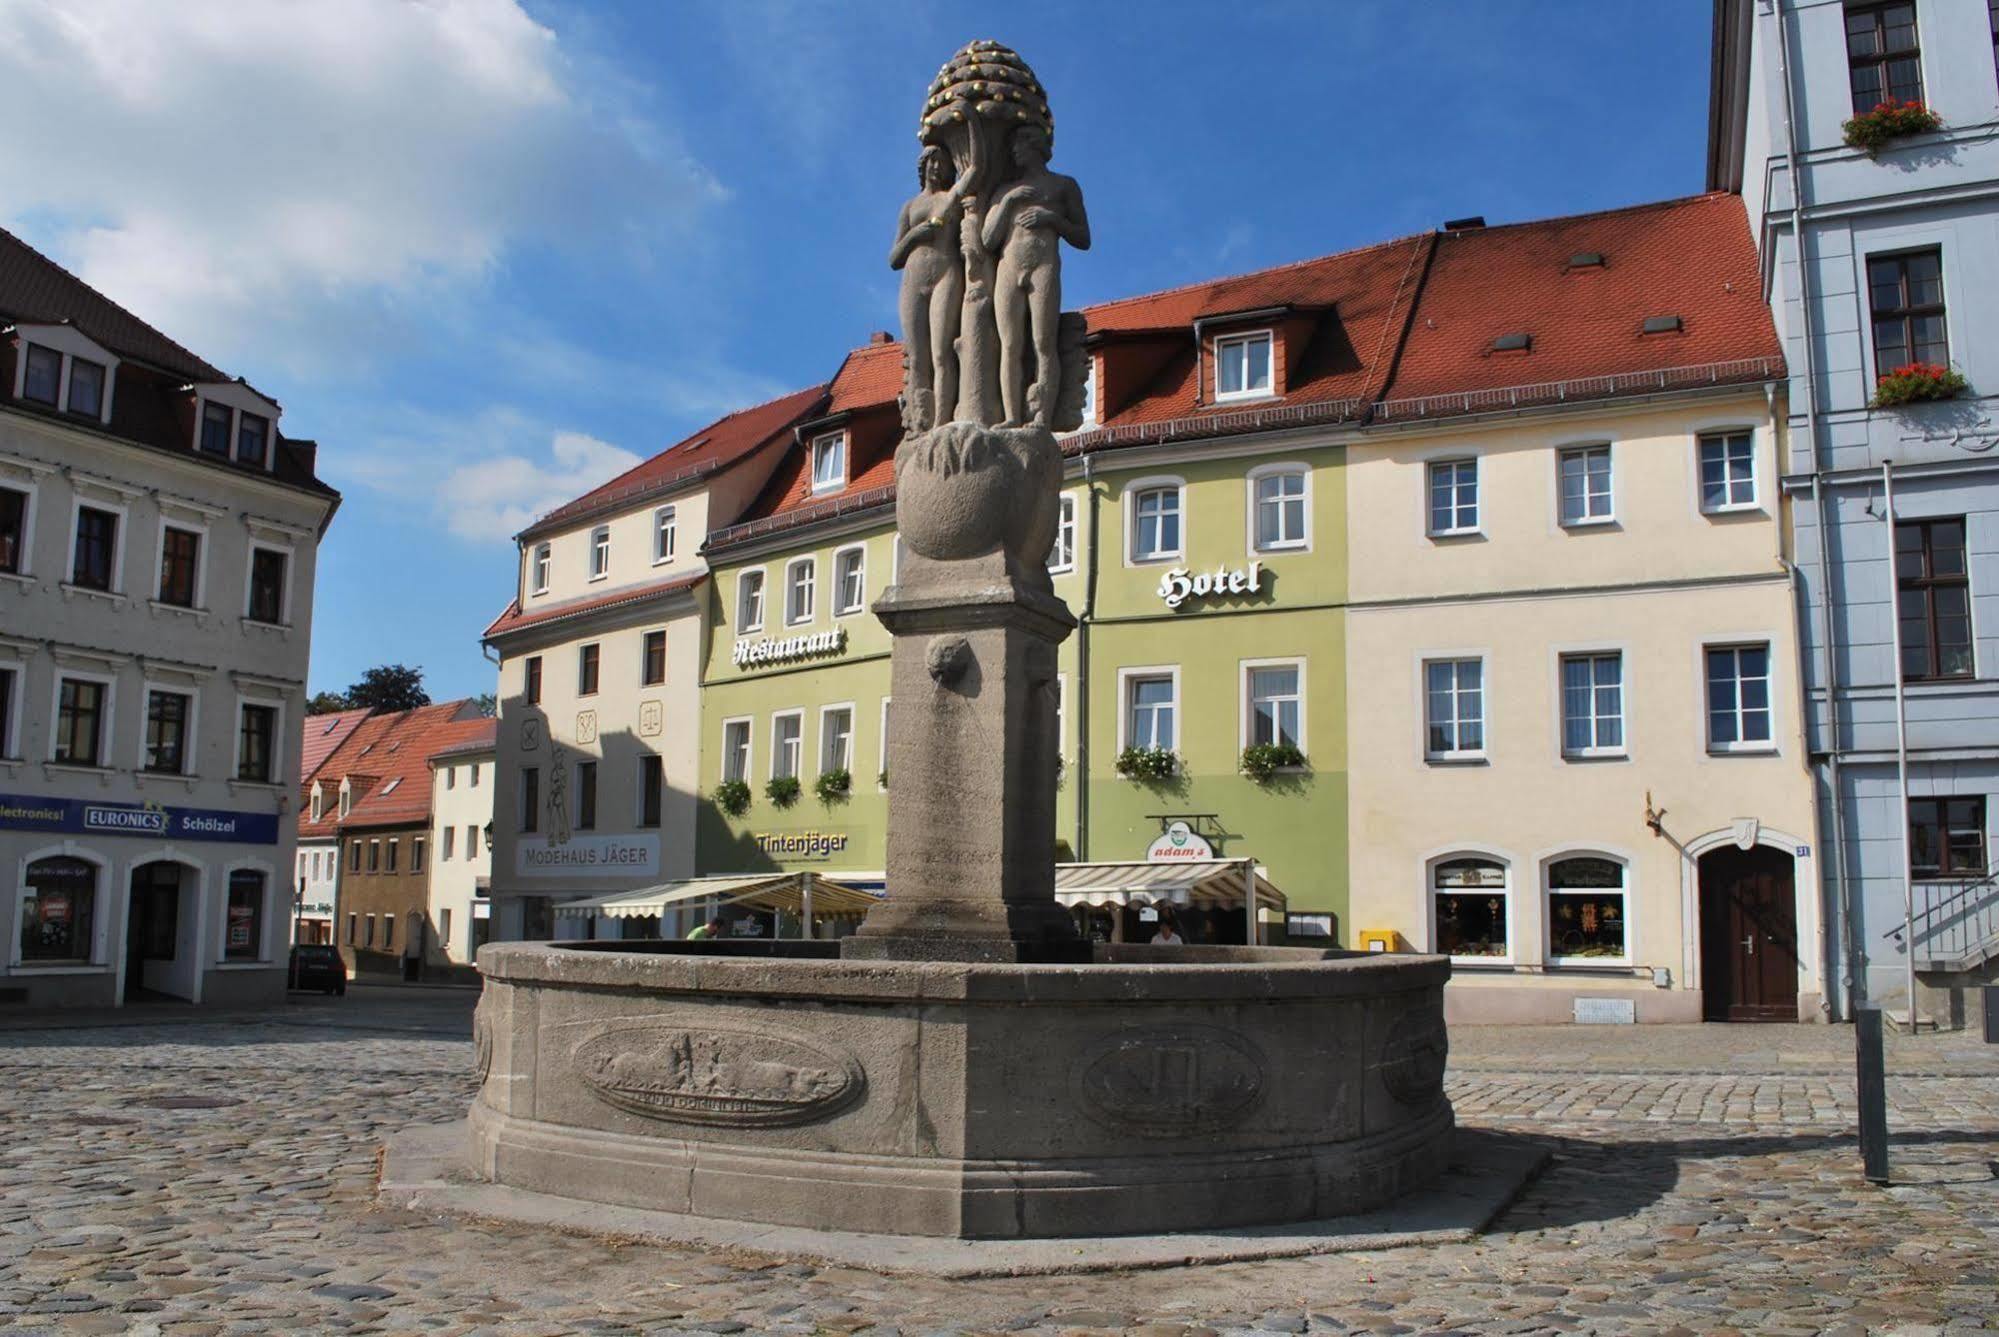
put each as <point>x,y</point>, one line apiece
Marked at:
<point>1956,926</point>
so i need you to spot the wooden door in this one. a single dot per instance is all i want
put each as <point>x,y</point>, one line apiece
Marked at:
<point>1749,935</point>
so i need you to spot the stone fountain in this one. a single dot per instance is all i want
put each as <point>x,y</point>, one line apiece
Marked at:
<point>966,1064</point>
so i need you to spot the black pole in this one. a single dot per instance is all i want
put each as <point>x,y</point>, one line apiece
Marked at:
<point>1870,1070</point>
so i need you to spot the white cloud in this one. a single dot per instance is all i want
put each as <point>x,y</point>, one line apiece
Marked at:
<point>273,178</point>
<point>499,496</point>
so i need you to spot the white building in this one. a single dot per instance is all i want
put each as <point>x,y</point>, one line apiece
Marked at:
<point>461,820</point>
<point>158,537</point>
<point>316,873</point>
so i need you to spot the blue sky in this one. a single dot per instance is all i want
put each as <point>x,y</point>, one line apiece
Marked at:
<point>489,255</point>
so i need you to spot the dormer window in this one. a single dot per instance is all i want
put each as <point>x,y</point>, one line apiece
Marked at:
<point>318,803</point>
<point>346,798</point>
<point>600,552</point>
<point>43,382</point>
<point>215,428</point>
<point>541,568</point>
<point>253,439</point>
<point>86,387</point>
<point>1242,365</point>
<point>829,462</point>
<point>1090,392</point>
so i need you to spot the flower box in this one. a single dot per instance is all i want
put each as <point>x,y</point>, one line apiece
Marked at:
<point>1916,383</point>
<point>1260,761</point>
<point>1888,121</point>
<point>833,785</point>
<point>733,797</point>
<point>782,790</point>
<point>1147,763</point>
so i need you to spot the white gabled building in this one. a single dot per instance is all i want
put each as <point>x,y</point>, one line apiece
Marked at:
<point>158,538</point>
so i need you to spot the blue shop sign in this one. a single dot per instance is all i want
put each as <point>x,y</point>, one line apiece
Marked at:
<point>23,812</point>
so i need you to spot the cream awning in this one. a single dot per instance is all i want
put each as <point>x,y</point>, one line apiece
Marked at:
<point>1196,882</point>
<point>759,891</point>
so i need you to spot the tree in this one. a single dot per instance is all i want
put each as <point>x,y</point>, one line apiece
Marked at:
<point>326,703</point>
<point>389,687</point>
<point>488,704</point>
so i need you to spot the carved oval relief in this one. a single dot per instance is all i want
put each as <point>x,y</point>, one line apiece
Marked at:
<point>715,1075</point>
<point>1412,1057</point>
<point>1175,1082</point>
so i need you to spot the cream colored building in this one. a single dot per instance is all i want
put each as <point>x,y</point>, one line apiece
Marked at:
<point>1576,747</point>
<point>461,829</point>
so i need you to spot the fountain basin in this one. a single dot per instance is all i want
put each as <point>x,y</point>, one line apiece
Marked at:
<point>1158,1089</point>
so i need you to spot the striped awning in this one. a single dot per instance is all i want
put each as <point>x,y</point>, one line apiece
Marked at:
<point>757,891</point>
<point>1196,882</point>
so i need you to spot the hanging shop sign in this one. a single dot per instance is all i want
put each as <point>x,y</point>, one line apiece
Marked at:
<point>801,844</point>
<point>1179,584</point>
<point>1178,844</point>
<point>23,812</point>
<point>586,856</point>
<point>785,649</point>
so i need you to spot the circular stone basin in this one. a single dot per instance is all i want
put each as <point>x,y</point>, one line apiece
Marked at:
<point>1158,1089</point>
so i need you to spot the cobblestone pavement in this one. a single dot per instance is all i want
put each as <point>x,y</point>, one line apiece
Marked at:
<point>170,1175</point>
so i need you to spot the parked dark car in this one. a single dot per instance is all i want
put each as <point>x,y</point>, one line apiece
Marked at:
<point>318,968</point>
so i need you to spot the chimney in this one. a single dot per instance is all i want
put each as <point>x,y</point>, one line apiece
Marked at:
<point>880,337</point>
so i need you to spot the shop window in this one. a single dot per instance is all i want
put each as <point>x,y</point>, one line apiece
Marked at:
<point>1587,913</point>
<point>1933,599</point>
<point>1470,898</point>
<point>1947,837</point>
<point>586,796</point>
<point>1584,478</point>
<point>1593,705</point>
<point>58,909</point>
<point>1738,698</point>
<point>244,925</point>
<point>1454,709</point>
<point>1453,497</point>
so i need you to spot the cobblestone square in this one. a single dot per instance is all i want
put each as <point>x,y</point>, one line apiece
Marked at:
<point>183,1175</point>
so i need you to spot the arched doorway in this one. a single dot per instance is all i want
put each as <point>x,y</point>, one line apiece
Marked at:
<point>1749,935</point>
<point>161,958</point>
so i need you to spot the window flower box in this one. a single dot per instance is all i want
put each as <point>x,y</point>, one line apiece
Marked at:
<point>1916,383</point>
<point>733,797</point>
<point>782,790</point>
<point>1889,121</point>
<point>833,785</point>
<point>1260,761</point>
<point>1150,764</point>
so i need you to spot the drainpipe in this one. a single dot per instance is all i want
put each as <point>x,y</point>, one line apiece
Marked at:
<point>1854,978</point>
<point>1901,753</point>
<point>1082,777</point>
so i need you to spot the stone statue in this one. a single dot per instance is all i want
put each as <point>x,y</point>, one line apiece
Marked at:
<point>1024,226</point>
<point>927,252</point>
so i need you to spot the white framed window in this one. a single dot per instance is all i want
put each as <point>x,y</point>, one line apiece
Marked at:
<point>1738,698</point>
<point>62,368</point>
<point>750,600</point>
<point>1280,506</point>
<point>600,552</point>
<point>1454,709</point>
<point>1089,392</point>
<point>1583,481</point>
<point>850,580</point>
<point>1273,703</point>
<point>1453,497</point>
<point>97,546</point>
<point>665,535</point>
<point>1593,704</point>
<point>1471,908</point>
<point>829,462</point>
<point>787,738</point>
<point>346,798</point>
<point>1728,471</point>
<point>449,848</point>
<point>1149,707</point>
<point>318,803</point>
<point>169,730</point>
<point>82,710</point>
<point>268,587</point>
<point>836,738</point>
<point>1062,553</point>
<point>1242,365</point>
<point>1157,534</point>
<point>1588,917</point>
<point>881,772</point>
<point>801,580</point>
<point>540,568</point>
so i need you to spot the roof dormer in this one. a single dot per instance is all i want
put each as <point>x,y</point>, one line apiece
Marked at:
<point>234,422</point>
<point>60,368</point>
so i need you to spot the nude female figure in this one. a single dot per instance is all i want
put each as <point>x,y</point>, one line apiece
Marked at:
<point>933,289</point>
<point>1042,209</point>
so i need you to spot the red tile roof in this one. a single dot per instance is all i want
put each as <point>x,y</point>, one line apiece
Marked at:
<point>323,736</point>
<point>387,763</point>
<point>515,620</point>
<point>480,738</point>
<point>714,447</point>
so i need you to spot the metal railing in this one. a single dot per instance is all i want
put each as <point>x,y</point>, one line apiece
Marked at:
<point>829,509</point>
<point>1268,419</point>
<point>1956,924</point>
<point>1581,388</point>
